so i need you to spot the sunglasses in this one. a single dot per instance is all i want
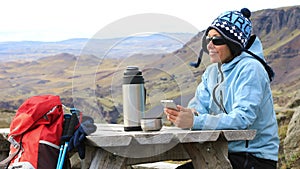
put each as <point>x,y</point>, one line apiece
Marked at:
<point>216,40</point>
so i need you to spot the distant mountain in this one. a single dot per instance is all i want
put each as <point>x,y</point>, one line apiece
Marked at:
<point>115,47</point>
<point>162,56</point>
<point>32,50</point>
<point>279,30</point>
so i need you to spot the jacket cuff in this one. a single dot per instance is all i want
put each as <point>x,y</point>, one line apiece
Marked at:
<point>198,122</point>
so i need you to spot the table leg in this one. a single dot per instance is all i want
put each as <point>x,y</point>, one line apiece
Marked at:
<point>89,154</point>
<point>106,160</point>
<point>209,155</point>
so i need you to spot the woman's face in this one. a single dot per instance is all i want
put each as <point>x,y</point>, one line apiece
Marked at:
<point>218,53</point>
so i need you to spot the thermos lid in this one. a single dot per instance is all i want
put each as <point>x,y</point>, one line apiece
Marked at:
<point>132,70</point>
<point>132,75</point>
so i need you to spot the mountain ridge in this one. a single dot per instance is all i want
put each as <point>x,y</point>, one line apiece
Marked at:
<point>283,48</point>
<point>32,50</point>
<point>282,56</point>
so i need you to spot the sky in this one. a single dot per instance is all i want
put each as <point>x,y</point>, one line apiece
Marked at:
<point>56,20</point>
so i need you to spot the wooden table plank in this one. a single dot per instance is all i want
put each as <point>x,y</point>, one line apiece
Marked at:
<point>233,135</point>
<point>109,135</point>
<point>198,136</point>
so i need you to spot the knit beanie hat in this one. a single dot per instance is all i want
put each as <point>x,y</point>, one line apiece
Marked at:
<point>235,27</point>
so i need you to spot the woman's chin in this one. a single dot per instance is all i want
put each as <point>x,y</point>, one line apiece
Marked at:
<point>214,60</point>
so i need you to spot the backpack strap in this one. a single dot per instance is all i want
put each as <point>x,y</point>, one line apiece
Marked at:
<point>8,159</point>
<point>18,146</point>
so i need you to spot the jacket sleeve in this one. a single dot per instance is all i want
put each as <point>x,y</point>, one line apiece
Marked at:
<point>247,93</point>
<point>201,100</point>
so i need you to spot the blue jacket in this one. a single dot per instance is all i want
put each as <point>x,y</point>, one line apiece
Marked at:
<point>242,100</point>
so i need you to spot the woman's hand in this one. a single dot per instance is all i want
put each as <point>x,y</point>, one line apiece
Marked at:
<point>183,118</point>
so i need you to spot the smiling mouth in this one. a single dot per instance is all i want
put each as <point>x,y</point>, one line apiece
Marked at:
<point>212,52</point>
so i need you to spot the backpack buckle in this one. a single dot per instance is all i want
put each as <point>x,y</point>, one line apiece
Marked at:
<point>13,142</point>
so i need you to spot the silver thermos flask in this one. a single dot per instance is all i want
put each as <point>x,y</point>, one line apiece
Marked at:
<point>134,98</point>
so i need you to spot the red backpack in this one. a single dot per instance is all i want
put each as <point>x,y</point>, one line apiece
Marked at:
<point>35,134</point>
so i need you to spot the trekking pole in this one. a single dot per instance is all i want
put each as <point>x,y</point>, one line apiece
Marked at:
<point>70,131</point>
<point>67,119</point>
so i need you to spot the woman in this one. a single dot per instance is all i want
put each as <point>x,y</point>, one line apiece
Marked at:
<point>235,92</point>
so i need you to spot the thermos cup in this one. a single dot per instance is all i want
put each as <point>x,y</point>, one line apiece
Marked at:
<point>134,95</point>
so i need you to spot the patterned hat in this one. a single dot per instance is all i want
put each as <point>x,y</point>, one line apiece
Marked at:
<point>235,27</point>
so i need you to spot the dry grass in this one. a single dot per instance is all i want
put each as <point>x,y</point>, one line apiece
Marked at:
<point>5,119</point>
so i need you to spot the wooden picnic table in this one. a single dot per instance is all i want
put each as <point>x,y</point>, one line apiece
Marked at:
<point>110,147</point>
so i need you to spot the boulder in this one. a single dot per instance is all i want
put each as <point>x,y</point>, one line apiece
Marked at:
<point>292,141</point>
